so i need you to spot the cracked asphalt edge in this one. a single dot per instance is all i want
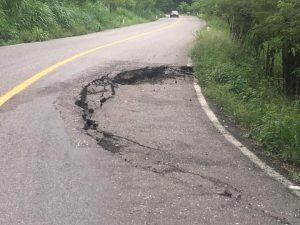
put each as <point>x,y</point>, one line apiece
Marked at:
<point>250,155</point>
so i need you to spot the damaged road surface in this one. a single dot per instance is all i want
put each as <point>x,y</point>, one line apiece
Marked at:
<point>113,134</point>
<point>179,172</point>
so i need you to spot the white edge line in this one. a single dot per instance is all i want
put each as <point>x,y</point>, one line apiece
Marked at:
<point>267,169</point>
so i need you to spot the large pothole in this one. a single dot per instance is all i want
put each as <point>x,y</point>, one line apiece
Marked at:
<point>100,101</point>
<point>100,90</point>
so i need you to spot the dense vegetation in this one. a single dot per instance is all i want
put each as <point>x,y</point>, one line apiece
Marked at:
<point>271,28</point>
<point>37,20</point>
<point>248,60</point>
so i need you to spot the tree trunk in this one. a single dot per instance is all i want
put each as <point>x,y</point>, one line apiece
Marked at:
<point>267,61</point>
<point>270,61</point>
<point>290,63</point>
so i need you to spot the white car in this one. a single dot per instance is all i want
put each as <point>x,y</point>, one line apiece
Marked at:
<point>174,14</point>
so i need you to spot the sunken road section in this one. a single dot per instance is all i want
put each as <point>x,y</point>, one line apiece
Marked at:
<point>106,87</point>
<point>103,90</point>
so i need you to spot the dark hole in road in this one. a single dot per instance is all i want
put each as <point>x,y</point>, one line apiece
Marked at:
<point>151,74</point>
<point>105,88</point>
<point>99,91</point>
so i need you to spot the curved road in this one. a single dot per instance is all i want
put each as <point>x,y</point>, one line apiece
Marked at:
<point>173,168</point>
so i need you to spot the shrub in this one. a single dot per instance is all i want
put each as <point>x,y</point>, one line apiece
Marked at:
<point>36,14</point>
<point>7,30</point>
<point>64,16</point>
<point>37,20</point>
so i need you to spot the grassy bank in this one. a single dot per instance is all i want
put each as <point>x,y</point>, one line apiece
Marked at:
<point>35,20</point>
<point>234,79</point>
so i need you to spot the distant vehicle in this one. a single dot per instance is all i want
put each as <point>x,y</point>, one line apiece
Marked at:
<point>174,14</point>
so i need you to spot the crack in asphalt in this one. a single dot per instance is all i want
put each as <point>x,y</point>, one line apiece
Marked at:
<point>112,143</point>
<point>110,135</point>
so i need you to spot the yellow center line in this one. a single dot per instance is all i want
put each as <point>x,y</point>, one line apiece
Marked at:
<point>23,85</point>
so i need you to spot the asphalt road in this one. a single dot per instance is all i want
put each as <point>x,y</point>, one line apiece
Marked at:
<point>155,157</point>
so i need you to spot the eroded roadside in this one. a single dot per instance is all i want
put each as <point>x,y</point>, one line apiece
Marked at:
<point>149,118</point>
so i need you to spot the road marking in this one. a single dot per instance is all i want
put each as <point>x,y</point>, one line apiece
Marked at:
<point>22,86</point>
<point>268,170</point>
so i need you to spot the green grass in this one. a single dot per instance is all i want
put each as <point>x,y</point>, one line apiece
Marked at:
<point>295,177</point>
<point>34,20</point>
<point>235,80</point>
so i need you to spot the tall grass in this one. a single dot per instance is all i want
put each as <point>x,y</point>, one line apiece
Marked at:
<point>36,20</point>
<point>234,79</point>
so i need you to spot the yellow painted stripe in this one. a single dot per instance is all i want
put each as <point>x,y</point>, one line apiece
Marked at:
<point>20,87</point>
